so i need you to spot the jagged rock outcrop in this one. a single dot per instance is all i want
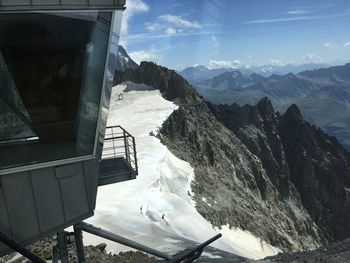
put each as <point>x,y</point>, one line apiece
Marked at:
<point>258,128</point>
<point>300,157</point>
<point>231,186</point>
<point>320,170</point>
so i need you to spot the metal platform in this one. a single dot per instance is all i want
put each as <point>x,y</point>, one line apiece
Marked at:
<point>119,162</point>
<point>115,170</point>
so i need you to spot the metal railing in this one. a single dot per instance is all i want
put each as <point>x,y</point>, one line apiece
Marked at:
<point>118,143</point>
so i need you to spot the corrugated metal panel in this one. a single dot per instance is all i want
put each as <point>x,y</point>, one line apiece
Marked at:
<point>38,5</point>
<point>48,199</point>
<point>21,206</point>
<point>73,188</point>
<point>37,203</point>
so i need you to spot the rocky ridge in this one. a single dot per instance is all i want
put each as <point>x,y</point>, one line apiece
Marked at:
<point>298,157</point>
<point>232,185</point>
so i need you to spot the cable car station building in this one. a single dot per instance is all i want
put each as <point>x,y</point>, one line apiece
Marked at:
<point>57,64</point>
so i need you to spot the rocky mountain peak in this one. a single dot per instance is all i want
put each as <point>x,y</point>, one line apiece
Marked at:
<point>124,61</point>
<point>265,106</point>
<point>293,113</point>
<point>168,82</point>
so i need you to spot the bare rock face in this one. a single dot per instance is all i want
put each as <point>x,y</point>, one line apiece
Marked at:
<point>338,252</point>
<point>233,185</point>
<point>320,170</point>
<point>298,157</point>
<point>258,128</point>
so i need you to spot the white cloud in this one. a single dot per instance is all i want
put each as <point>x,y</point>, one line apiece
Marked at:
<point>145,55</point>
<point>298,18</point>
<point>215,44</point>
<point>224,64</point>
<point>170,31</point>
<point>178,21</point>
<point>312,58</point>
<point>298,12</point>
<point>153,27</point>
<point>347,44</point>
<point>171,25</point>
<point>133,7</point>
<point>276,62</point>
<point>331,44</point>
<point>215,41</point>
<point>277,20</point>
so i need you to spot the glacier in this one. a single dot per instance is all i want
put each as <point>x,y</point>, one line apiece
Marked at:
<point>156,209</point>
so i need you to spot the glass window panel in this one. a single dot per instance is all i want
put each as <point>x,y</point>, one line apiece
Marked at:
<point>51,76</point>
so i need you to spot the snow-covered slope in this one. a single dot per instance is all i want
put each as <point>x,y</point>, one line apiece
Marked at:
<point>156,208</point>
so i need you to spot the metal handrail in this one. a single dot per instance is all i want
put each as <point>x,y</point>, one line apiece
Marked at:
<point>120,143</point>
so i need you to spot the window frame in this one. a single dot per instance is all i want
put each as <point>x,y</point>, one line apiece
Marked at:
<point>97,148</point>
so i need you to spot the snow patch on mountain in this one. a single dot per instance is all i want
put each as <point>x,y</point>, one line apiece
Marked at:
<point>158,205</point>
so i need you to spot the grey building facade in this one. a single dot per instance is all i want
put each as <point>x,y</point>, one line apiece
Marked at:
<point>57,62</point>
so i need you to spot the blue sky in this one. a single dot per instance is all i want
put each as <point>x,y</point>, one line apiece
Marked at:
<point>181,33</point>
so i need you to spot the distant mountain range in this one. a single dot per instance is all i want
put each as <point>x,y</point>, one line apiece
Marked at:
<point>323,95</point>
<point>200,73</point>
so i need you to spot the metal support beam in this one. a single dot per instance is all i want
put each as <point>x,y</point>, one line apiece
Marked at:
<point>121,240</point>
<point>55,254</point>
<point>186,256</point>
<point>20,249</point>
<point>62,247</point>
<point>78,236</point>
<point>190,255</point>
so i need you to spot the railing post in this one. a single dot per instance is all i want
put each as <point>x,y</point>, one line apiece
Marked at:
<point>126,147</point>
<point>135,158</point>
<point>113,141</point>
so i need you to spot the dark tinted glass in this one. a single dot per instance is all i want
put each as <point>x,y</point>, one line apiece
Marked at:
<point>51,75</point>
